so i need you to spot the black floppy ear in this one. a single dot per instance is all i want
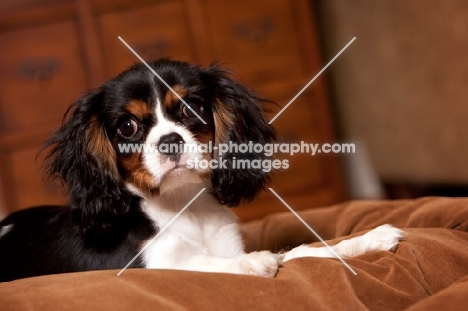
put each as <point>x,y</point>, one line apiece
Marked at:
<point>239,118</point>
<point>82,156</point>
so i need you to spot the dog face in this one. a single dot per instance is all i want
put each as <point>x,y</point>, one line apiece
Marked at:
<point>115,145</point>
<point>151,128</point>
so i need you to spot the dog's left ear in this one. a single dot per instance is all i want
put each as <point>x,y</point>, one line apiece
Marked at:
<point>81,156</point>
<point>239,119</point>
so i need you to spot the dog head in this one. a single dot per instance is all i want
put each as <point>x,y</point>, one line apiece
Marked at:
<point>135,137</point>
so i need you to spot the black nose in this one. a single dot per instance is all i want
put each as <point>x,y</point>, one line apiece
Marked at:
<point>171,144</point>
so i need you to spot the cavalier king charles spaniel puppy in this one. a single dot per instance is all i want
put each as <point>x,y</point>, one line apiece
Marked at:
<point>119,201</point>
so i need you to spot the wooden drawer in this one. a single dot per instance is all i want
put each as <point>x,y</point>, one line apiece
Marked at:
<point>41,72</point>
<point>306,182</point>
<point>267,43</point>
<point>296,124</point>
<point>153,32</point>
<point>260,39</point>
<point>23,181</point>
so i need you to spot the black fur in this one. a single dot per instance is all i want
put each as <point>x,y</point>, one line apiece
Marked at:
<point>247,124</point>
<point>96,194</point>
<point>46,240</point>
<point>103,227</point>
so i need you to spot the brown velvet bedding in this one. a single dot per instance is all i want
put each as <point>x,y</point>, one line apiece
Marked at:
<point>428,271</point>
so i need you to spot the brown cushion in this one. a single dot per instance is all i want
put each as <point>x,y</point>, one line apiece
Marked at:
<point>428,269</point>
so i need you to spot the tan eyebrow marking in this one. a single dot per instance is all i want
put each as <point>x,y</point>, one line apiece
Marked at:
<point>170,100</point>
<point>139,108</point>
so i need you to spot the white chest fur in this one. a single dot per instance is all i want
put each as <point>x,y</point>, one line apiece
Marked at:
<point>204,228</point>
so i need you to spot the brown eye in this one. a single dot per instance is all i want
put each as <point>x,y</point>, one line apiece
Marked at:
<point>128,128</point>
<point>188,113</point>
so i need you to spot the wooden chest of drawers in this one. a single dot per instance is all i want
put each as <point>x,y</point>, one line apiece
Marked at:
<point>51,51</point>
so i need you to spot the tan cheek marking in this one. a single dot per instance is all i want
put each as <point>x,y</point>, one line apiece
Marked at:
<point>138,175</point>
<point>206,176</point>
<point>100,146</point>
<point>205,138</point>
<point>170,100</point>
<point>138,108</point>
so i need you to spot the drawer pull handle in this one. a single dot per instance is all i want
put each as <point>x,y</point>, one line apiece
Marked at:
<point>40,71</point>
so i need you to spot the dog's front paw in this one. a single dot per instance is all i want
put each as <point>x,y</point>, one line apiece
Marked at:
<point>262,263</point>
<point>382,238</point>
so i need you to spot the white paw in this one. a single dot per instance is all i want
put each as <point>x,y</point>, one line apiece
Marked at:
<point>307,251</point>
<point>382,238</point>
<point>262,263</point>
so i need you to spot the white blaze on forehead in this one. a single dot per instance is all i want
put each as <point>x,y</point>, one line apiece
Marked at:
<point>165,126</point>
<point>153,161</point>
